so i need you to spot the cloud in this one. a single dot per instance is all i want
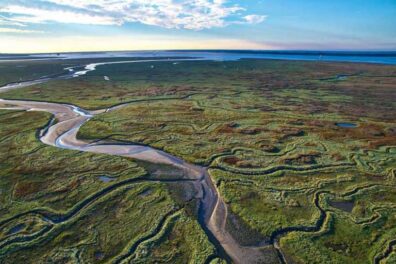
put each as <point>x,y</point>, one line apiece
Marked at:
<point>178,14</point>
<point>18,31</point>
<point>254,19</point>
<point>24,14</point>
<point>7,22</point>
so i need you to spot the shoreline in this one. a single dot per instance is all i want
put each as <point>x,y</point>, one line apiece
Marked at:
<point>371,57</point>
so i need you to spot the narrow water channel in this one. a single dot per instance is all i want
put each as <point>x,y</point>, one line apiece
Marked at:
<point>63,134</point>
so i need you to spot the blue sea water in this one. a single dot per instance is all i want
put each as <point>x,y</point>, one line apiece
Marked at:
<point>337,56</point>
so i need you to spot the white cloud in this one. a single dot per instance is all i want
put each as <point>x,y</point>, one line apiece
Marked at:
<point>24,14</point>
<point>187,14</point>
<point>18,31</point>
<point>7,22</point>
<point>254,19</point>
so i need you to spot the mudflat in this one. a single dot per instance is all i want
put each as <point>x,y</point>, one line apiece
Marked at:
<point>238,161</point>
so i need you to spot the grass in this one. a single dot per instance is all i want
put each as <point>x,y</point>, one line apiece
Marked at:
<point>40,176</point>
<point>48,181</point>
<point>181,239</point>
<point>16,71</point>
<point>267,131</point>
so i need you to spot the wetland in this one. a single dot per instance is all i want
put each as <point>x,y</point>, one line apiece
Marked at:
<point>246,161</point>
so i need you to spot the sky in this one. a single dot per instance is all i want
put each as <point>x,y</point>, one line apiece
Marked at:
<point>31,26</point>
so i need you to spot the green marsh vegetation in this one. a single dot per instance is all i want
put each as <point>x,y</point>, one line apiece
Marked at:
<point>17,70</point>
<point>267,131</point>
<point>56,208</point>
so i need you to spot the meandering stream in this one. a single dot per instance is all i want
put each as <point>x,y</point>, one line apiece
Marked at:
<point>63,134</point>
<point>212,213</point>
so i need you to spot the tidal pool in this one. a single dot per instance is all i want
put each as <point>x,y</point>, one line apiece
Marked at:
<point>99,255</point>
<point>16,229</point>
<point>105,178</point>
<point>346,125</point>
<point>346,206</point>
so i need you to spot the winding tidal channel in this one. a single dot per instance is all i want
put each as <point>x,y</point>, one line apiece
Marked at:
<point>63,134</point>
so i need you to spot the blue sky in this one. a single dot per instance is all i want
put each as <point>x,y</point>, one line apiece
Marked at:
<point>83,25</point>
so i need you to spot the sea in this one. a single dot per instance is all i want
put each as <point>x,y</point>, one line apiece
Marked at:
<point>379,57</point>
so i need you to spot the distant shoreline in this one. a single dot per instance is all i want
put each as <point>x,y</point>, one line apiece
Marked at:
<point>290,52</point>
<point>379,57</point>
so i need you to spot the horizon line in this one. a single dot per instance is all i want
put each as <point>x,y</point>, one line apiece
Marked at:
<point>214,50</point>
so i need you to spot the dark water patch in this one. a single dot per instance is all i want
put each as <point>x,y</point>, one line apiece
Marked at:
<point>99,255</point>
<point>346,206</point>
<point>145,192</point>
<point>106,178</point>
<point>16,229</point>
<point>346,125</point>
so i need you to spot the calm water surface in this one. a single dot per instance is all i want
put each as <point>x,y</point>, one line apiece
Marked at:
<point>365,57</point>
<point>346,125</point>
